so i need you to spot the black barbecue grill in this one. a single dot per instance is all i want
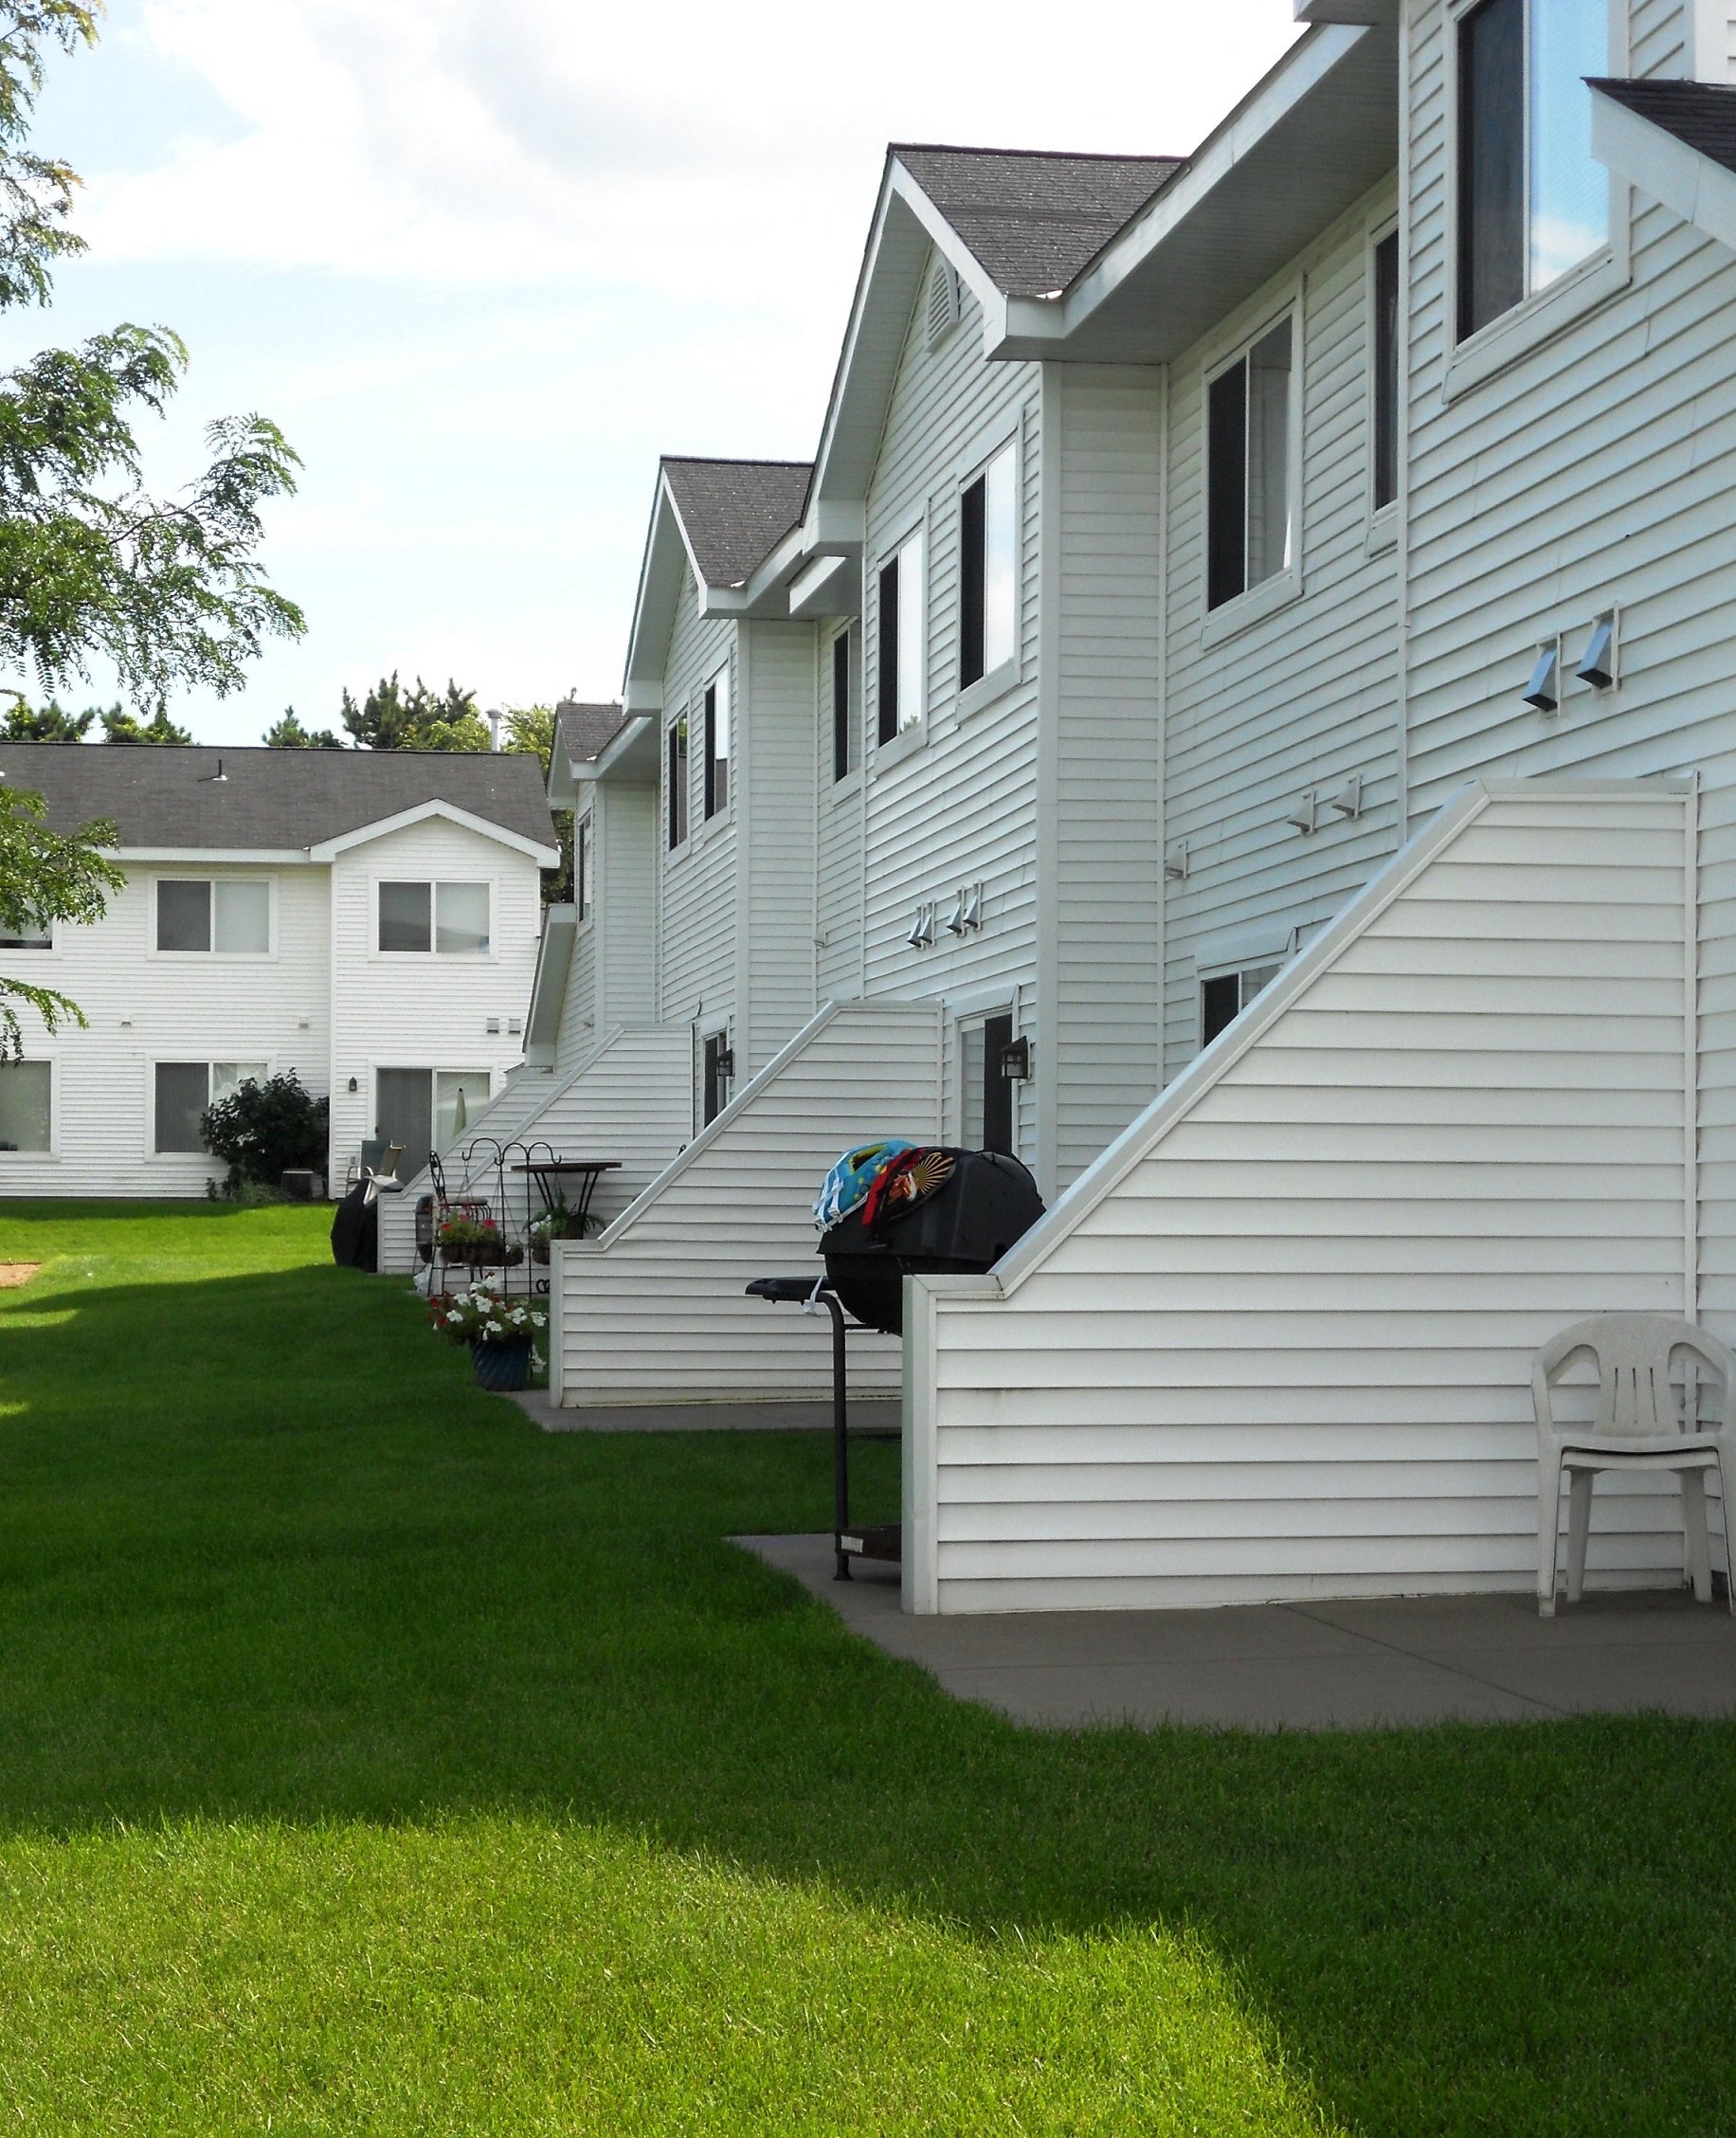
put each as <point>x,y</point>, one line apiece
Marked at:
<point>983,1203</point>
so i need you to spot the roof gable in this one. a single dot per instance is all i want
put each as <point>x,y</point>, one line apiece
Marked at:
<point>204,799</point>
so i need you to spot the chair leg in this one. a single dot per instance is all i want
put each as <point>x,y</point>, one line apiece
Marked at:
<point>1548,1532</point>
<point>1693,1521</point>
<point>1579,1528</point>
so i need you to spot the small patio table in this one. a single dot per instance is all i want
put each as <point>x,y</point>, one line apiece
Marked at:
<point>551,1174</point>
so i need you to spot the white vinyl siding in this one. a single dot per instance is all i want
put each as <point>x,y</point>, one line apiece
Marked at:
<point>1302,699</point>
<point>775,976</point>
<point>697,900</point>
<point>655,1310</point>
<point>839,817</point>
<point>1284,1349</point>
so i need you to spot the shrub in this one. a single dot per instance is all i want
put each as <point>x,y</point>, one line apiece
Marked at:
<point>268,1130</point>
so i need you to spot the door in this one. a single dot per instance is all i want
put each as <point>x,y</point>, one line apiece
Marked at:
<point>404,1114</point>
<point>987,1113</point>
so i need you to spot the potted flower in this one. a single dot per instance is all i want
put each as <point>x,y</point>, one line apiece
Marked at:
<point>477,1243</point>
<point>501,1334</point>
<point>556,1222</point>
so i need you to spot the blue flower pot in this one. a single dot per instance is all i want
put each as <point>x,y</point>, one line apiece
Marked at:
<point>503,1368</point>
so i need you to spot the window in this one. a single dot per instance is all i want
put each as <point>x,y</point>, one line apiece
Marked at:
<point>29,936</point>
<point>676,766</point>
<point>1248,509</point>
<point>448,918</point>
<point>844,747</point>
<point>26,1090</point>
<point>718,743</point>
<point>986,1095</point>
<point>1385,308</point>
<point>987,571</point>
<point>1532,200</point>
<point>1225,995</point>
<point>230,915</point>
<point>584,867</point>
<point>184,1089</point>
<point>720,1074</point>
<point>902,644</point>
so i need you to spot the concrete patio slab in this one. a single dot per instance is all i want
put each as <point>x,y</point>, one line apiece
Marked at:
<point>1298,1666</point>
<point>704,1417</point>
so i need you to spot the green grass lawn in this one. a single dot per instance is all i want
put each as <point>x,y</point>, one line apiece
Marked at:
<point>371,1762</point>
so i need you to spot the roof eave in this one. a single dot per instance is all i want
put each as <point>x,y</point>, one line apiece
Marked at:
<point>1222,194</point>
<point>544,854</point>
<point>1679,177</point>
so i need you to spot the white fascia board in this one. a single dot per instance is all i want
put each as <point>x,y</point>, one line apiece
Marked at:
<point>1296,75</point>
<point>545,856</point>
<point>273,857</point>
<point>904,218</point>
<point>830,585</point>
<point>624,745</point>
<point>666,548</point>
<point>1702,192</point>
<point>553,963</point>
<point>1367,12</point>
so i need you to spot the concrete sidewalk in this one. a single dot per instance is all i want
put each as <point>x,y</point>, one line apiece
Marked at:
<point>1300,1666</point>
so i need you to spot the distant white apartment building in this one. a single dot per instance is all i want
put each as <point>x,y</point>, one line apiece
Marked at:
<point>366,919</point>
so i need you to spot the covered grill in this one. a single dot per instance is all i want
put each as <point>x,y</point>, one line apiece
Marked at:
<point>938,1210</point>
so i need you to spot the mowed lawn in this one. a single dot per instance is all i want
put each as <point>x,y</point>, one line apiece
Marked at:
<point>371,1762</point>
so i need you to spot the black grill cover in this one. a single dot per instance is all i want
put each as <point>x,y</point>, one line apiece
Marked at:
<point>355,1229</point>
<point>966,1226</point>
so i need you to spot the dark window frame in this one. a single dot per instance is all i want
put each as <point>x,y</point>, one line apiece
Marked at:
<point>584,860</point>
<point>715,780</point>
<point>1383,285</point>
<point>972,579</point>
<point>843,710</point>
<point>678,774</point>
<point>1230,463</point>
<point>886,691</point>
<point>716,1079</point>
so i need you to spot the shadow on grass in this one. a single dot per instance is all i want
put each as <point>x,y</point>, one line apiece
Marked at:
<point>266,1552</point>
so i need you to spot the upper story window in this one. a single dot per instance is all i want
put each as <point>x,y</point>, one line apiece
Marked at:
<point>903,641</point>
<point>1249,510</point>
<point>1385,294</point>
<point>449,918</point>
<point>846,748</point>
<point>229,915</point>
<point>33,935</point>
<point>988,551</point>
<point>1532,201</point>
<point>675,772</point>
<point>584,868</point>
<point>718,743</point>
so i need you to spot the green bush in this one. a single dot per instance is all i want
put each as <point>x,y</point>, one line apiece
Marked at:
<point>265,1129</point>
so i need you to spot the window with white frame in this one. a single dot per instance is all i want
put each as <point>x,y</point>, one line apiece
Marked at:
<point>584,868</point>
<point>716,781</point>
<point>1223,996</point>
<point>27,1103</point>
<point>184,1089</point>
<point>903,641</point>
<point>228,915</point>
<point>1249,513</point>
<point>1533,201</point>
<point>988,570</point>
<point>675,780</point>
<point>1383,307</point>
<point>448,919</point>
<point>26,935</point>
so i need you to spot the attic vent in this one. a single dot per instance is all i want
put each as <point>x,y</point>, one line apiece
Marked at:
<point>943,303</point>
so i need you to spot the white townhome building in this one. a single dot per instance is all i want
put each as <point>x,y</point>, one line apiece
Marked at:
<point>1269,648</point>
<point>368,919</point>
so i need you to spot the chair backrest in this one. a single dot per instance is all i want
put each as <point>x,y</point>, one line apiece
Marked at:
<point>1632,1353</point>
<point>373,1149</point>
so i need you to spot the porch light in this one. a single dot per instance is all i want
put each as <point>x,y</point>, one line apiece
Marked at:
<point>723,1063</point>
<point>1015,1060</point>
<point>1598,665</point>
<point>1544,690</point>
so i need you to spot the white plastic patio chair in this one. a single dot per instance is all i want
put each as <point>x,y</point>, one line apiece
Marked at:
<point>1638,1424</point>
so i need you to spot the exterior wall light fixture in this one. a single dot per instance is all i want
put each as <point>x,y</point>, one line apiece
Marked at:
<point>1015,1060</point>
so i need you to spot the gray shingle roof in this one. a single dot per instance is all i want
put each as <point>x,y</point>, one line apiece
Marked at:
<point>587,729</point>
<point>1700,114</point>
<point>736,512</point>
<point>1033,219</point>
<point>267,798</point>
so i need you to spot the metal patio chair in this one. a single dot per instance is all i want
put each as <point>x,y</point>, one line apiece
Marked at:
<point>1642,1421</point>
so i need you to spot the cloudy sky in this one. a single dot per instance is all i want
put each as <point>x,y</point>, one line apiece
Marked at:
<point>483,259</point>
